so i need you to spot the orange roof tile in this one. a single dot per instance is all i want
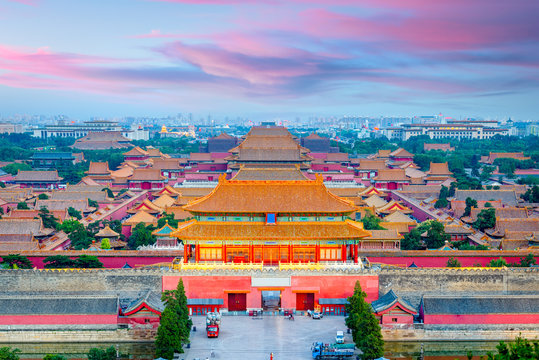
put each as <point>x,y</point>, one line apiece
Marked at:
<point>401,152</point>
<point>394,206</point>
<point>391,175</point>
<point>163,201</point>
<point>107,232</point>
<point>302,196</point>
<point>141,217</point>
<point>368,164</point>
<point>286,231</point>
<point>99,168</point>
<point>146,174</point>
<point>136,151</point>
<point>439,169</point>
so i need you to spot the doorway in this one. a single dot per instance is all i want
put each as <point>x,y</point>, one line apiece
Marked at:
<point>305,301</point>
<point>237,302</point>
<point>271,299</point>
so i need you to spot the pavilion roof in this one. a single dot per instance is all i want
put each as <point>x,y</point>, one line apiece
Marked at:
<point>375,200</point>
<point>388,234</point>
<point>146,175</point>
<point>99,168</point>
<point>372,164</point>
<point>401,152</point>
<point>389,300</point>
<point>371,190</point>
<point>439,169</point>
<point>164,230</point>
<point>391,175</point>
<point>107,232</point>
<point>148,206</point>
<point>168,190</point>
<point>305,230</point>
<point>163,201</point>
<point>394,206</point>
<point>166,164</point>
<point>302,196</point>
<point>398,216</point>
<point>24,175</point>
<point>136,151</point>
<point>141,217</point>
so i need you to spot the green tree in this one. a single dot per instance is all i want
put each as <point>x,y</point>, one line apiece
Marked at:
<point>520,349</point>
<point>58,262</point>
<point>93,203</point>
<point>166,217</point>
<point>16,261</point>
<point>88,262</point>
<point>412,240</point>
<point>14,168</point>
<point>497,263</point>
<point>436,235</point>
<point>531,195</point>
<point>527,261</point>
<point>371,221</point>
<point>141,235</point>
<point>105,244</point>
<point>80,237</point>
<point>7,353</point>
<point>452,262</point>
<point>69,226</point>
<point>470,203</point>
<point>366,331</point>
<point>102,354</point>
<point>109,193</point>
<point>48,219</point>
<point>43,196</point>
<point>441,203</point>
<point>71,211</point>
<point>175,326</point>
<point>486,219</point>
<point>2,185</point>
<point>54,357</point>
<point>22,206</point>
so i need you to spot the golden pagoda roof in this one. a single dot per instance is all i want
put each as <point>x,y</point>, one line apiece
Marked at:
<point>107,232</point>
<point>146,206</point>
<point>259,196</point>
<point>163,201</point>
<point>375,200</point>
<point>398,216</point>
<point>305,230</point>
<point>394,206</point>
<point>141,217</point>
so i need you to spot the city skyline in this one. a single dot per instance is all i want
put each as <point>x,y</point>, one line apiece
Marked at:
<point>268,59</point>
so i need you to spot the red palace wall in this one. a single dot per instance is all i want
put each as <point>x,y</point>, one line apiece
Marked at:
<point>110,262</point>
<point>58,319</point>
<point>218,287</point>
<point>482,319</point>
<point>439,261</point>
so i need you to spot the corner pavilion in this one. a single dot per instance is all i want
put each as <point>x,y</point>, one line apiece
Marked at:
<point>261,221</point>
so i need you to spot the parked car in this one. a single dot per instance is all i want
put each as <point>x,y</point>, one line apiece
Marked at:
<point>317,315</point>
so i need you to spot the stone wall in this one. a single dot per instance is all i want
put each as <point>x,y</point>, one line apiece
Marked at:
<point>413,283</point>
<point>87,281</point>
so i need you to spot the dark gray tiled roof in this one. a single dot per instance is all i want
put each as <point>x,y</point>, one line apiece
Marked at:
<point>50,305</point>
<point>508,197</point>
<point>492,304</point>
<point>151,298</point>
<point>388,300</point>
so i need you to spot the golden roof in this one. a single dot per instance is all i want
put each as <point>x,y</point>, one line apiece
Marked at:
<point>141,217</point>
<point>305,230</point>
<point>256,196</point>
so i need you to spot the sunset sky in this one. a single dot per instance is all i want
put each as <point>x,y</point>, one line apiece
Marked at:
<point>270,58</point>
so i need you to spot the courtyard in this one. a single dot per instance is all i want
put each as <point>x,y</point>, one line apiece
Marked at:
<point>247,338</point>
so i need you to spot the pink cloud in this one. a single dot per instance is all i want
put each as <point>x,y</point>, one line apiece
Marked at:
<point>155,34</point>
<point>26,2</point>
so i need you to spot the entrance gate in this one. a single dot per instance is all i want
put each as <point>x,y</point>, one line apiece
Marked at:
<point>271,300</point>
<point>305,301</point>
<point>237,302</point>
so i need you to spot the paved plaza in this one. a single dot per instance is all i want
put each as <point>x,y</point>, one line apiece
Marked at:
<point>247,338</point>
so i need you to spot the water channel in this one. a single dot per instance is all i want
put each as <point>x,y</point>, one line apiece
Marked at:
<point>435,350</point>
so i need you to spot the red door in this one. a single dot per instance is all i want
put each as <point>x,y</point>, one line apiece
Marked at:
<point>237,302</point>
<point>305,301</point>
<point>146,186</point>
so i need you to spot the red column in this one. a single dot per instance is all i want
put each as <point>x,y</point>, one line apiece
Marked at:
<point>343,253</point>
<point>224,252</point>
<point>251,252</point>
<point>290,253</point>
<point>197,253</point>
<point>186,249</point>
<point>317,253</point>
<point>356,250</point>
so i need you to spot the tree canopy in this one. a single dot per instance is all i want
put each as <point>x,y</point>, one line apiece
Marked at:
<point>371,221</point>
<point>366,331</point>
<point>175,326</point>
<point>102,354</point>
<point>15,261</point>
<point>7,353</point>
<point>141,235</point>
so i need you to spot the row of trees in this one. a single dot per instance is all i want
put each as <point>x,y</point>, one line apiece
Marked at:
<point>17,261</point>
<point>7,353</point>
<point>526,261</point>
<point>429,234</point>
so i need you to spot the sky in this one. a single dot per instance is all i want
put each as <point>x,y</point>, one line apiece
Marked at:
<point>270,58</point>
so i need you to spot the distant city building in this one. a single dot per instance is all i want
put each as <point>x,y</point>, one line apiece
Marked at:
<point>63,129</point>
<point>6,128</point>
<point>222,143</point>
<point>456,130</point>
